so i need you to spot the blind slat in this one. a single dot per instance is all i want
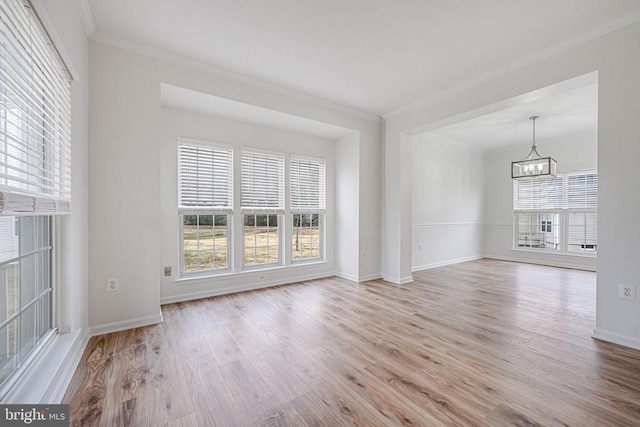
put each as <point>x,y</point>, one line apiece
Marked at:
<point>204,179</point>
<point>578,191</point>
<point>308,185</point>
<point>262,182</point>
<point>35,116</point>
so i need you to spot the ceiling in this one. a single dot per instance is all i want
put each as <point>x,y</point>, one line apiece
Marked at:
<point>375,56</point>
<point>565,114</point>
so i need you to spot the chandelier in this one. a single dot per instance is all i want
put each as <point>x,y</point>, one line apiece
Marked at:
<point>534,164</point>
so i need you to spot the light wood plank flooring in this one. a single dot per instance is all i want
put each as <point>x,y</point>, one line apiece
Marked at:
<point>485,343</point>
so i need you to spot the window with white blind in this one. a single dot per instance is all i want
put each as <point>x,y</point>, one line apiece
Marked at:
<point>205,201</point>
<point>262,204</point>
<point>308,187</point>
<point>35,182</point>
<point>557,214</point>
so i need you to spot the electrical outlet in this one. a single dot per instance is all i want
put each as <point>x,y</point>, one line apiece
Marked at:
<point>627,291</point>
<point>364,254</point>
<point>419,246</point>
<point>167,272</point>
<point>113,284</point>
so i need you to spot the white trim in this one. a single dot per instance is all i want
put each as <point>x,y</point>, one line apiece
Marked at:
<point>47,379</point>
<point>398,280</point>
<point>195,64</point>
<point>55,38</point>
<point>240,288</point>
<point>615,338</point>
<point>347,276</point>
<point>86,16</point>
<point>368,277</point>
<point>443,263</point>
<point>600,31</point>
<point>447,224</point>
<point>124,325</point>
<point>556,262</point>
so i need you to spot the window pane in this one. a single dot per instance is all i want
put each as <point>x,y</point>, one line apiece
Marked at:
<point>9,286</point>
<point>44,318</point>
<point>8,349</point>
<point>27,330</point>
<point>190,261</point>
<point>28,229</point>
<point>9,241</point>
<point>28,274</point>
<point>538,230</point>
<point>221,259</point>
<point>204,235</point>
<point>306,237</point>
<point>262,241</point>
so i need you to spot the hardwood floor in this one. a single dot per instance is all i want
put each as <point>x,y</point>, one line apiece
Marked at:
<point>479,343</point>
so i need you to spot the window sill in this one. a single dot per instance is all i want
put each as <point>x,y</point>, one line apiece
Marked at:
<point>252,271</point>
<point>555,253</point>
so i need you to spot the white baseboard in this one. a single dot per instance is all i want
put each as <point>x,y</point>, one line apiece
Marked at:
<point>374,276</point>
<point>347,276</point>
<point>443,263</point>
<point>239,288</point>
<point>359,279</point>
<point>47,380</point>
<point>398,280</point>
<point>615,338</point>
<point>123,325</point>
<point>557,262</point>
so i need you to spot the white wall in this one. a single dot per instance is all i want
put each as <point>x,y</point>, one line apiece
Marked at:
<point>447,201</point>
<point>127,169</point>
<point>179,123</point>
<point>615,57</point>
<point>347,213</point>
<point>577,153</point>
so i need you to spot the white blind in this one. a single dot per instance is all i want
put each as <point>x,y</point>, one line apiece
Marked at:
<point>583,228</point>
<point>262,188</point>
<point>35,116</point>
<point>576,191</point>
<point>582,191</point>
<point>308,179</point>
<point>205,179</point>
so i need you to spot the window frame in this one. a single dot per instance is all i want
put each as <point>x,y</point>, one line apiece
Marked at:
<point>315,207</point>
<point>40,341</point>
<point>279,230</point>
<point>212,271</point>
<point>562,209</point>
<point>35,160</point>
<point>279,210</point>
<point>227,211</point>
<point>321,239</point>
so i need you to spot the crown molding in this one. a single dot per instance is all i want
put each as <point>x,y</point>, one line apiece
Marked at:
<point>85,15</point>
<point>194,64</point>
<point>545,54</point>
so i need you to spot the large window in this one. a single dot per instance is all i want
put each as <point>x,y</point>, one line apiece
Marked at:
<point>262,202</point>
<point>307,180</point>
<point>557,214</point>
<point>35,182</point>
<point>223,233</point>
<point>204,205</point>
